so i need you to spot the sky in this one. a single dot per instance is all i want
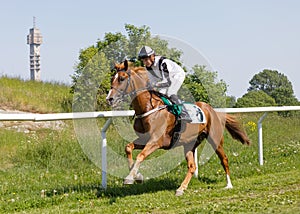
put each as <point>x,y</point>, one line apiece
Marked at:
<point>238,38</point>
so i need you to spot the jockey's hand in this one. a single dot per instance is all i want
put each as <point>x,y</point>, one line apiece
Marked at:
<point>152,87</point>
<point>162,84</point>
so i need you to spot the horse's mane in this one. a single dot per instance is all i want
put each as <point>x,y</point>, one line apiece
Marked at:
<point>124,66</point>
<point>139,70</point>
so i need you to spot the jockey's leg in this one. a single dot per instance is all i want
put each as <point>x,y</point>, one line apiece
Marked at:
<point>184,116</point>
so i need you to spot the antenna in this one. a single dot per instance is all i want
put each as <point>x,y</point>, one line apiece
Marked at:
<point>34,22</point>
<point>34,39</point>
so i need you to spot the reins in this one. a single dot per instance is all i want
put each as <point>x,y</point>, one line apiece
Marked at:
<point>151,111</point>
<point>134,93</point>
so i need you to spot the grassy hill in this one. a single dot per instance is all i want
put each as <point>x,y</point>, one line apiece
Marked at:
<point>31,96</point>
<point>46,171</point>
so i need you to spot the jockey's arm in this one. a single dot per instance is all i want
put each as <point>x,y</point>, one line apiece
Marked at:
<point>166,82</point>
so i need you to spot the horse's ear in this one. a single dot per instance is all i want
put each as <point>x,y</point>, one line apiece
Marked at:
<point>114,69</point>
<point>125,65</point>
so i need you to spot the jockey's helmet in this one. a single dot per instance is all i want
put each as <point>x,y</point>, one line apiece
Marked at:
<point>145,51</point>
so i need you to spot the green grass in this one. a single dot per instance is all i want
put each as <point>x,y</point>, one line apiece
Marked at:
<point>54,162</point>
<point>34,96</point>
<point>46,171</point>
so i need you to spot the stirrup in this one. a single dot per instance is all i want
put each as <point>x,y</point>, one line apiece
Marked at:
<point>185,120</point>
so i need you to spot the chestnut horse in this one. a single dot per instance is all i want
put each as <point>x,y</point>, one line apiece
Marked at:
<point>155,126</point>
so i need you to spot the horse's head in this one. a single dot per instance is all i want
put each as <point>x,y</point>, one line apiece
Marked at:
<point>126,81</point>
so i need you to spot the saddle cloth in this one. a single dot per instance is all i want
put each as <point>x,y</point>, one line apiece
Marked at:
<point>197,116</point>
<point>195,112</point>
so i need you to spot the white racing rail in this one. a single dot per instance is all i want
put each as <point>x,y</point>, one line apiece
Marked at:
<point>110,114</point>
<point>62,116</point>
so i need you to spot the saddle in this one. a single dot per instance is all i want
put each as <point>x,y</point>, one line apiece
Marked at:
<point>194,111</point>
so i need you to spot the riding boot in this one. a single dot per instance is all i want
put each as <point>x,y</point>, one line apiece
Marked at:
<point>184,116</point>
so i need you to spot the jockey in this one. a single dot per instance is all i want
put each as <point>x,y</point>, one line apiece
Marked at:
<point>166,75</point>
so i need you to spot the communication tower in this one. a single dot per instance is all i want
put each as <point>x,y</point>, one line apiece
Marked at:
<point>35,39</point>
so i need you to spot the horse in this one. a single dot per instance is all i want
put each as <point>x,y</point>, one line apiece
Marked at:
<point>155,126</point>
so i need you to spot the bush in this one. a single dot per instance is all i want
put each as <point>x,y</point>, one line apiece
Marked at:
<point>255,99</point>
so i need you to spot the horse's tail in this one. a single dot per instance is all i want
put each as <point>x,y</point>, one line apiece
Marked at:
<point>235,130</point>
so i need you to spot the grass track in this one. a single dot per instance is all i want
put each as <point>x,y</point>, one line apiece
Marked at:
<point>72,182</point>
<point>53,162</point>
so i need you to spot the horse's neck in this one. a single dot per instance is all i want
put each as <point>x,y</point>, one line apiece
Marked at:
<point>144,102</point>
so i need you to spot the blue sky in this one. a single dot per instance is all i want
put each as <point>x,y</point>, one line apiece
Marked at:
<point>239,38</point>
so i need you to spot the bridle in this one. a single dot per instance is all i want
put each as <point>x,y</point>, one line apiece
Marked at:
<point>134,93</point>
<point>123,92</point>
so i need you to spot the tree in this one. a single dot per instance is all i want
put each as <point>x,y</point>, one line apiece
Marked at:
<point>92,84</point>
<point>230,101</point>
<point>255,99</point>
<point>204,86</point>
<point>274,84</point>
<point>91,80</point>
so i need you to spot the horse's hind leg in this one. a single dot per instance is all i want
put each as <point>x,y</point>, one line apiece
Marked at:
<point>189,151</point>
<point>189,155</point>
<point>224,161</point>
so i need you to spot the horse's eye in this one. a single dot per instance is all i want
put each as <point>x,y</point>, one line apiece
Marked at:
<point>121,78</point>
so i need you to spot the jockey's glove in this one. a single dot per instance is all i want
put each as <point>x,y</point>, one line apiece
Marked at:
<point>162,84</point>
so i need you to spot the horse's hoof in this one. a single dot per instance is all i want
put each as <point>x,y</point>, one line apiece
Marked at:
<point>179,192</point>
<point>128,181</point>
<point>228,187</point>
<point>139,178</point>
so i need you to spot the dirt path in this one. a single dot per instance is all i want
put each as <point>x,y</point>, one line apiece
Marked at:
<point>28,126</point>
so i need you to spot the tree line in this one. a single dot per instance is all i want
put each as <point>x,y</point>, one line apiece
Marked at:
<point>91,79</point>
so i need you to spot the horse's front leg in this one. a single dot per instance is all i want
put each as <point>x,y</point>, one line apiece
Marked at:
<point>133,174</point>
<point>129,149</point>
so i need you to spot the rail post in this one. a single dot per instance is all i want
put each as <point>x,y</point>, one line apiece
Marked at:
<point>260,139</point>
<point>104,153</point>
<point>196,162</point>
